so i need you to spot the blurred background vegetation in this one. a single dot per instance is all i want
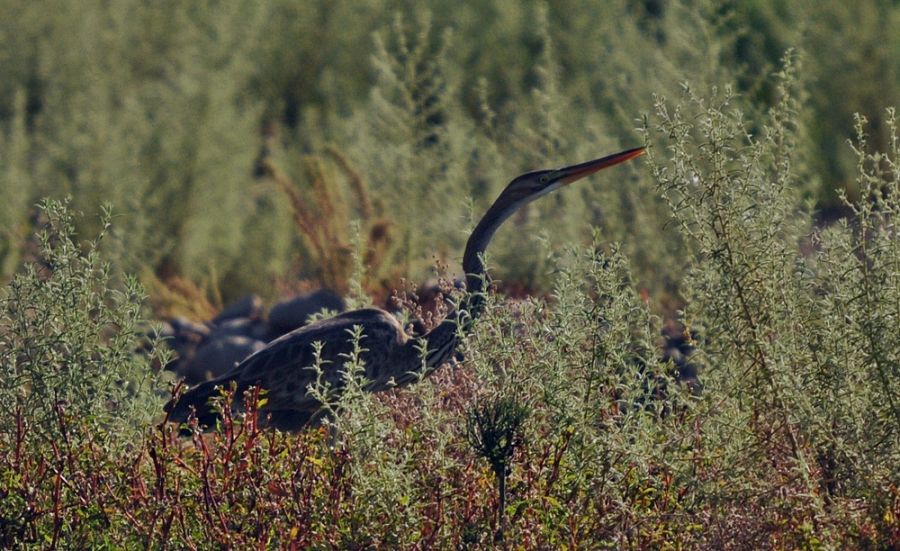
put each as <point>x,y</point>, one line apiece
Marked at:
<point>252,145</point>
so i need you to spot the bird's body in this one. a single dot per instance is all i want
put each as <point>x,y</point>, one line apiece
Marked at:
<point>284,368</point>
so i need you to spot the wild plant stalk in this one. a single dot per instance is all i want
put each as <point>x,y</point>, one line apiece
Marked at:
<point>495,430</point>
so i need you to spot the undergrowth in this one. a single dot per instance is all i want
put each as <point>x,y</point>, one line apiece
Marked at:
<point>792,443</point>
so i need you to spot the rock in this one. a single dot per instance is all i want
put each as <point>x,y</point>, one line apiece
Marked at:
<point>217,357</point>
<point>290,314</point>
<point>185,337</point>
<point>243,327</point>
<point>183,328</point>
<point>248,307</point>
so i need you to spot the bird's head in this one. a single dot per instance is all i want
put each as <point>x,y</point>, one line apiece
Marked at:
<point>531,185</point>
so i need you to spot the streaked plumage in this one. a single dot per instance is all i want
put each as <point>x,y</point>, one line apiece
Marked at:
<point>390,356</point>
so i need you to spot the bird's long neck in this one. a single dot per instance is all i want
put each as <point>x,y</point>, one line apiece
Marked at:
<point>442,340</point>
<point>473,258</point>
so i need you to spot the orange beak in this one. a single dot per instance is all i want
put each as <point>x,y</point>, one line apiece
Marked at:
<point>569,174</point>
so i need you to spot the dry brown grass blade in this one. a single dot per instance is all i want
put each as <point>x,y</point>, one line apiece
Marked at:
<point>177,296</point>
<point>357,183</point>
<point>321,220</point>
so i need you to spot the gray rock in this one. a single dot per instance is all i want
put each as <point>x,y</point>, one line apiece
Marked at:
<point>242,327</point>
<point>290,314</point>
<point>185,328</point>
<point>248,307</point>
<point>184,339</point>
<point>217,357</point>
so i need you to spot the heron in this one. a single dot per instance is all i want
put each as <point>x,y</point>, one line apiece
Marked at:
<point>390,357</point>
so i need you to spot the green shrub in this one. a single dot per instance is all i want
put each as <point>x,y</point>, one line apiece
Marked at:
<point>69,342</point>
<point>798,323</point>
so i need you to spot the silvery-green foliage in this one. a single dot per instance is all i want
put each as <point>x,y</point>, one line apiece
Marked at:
<point>382,473</point>
<point>798,324</point>
<point>70,341</point>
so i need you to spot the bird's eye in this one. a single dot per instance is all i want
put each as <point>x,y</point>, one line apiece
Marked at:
<point>544,179</point>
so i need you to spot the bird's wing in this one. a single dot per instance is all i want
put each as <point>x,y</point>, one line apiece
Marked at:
<point>284,368</point>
